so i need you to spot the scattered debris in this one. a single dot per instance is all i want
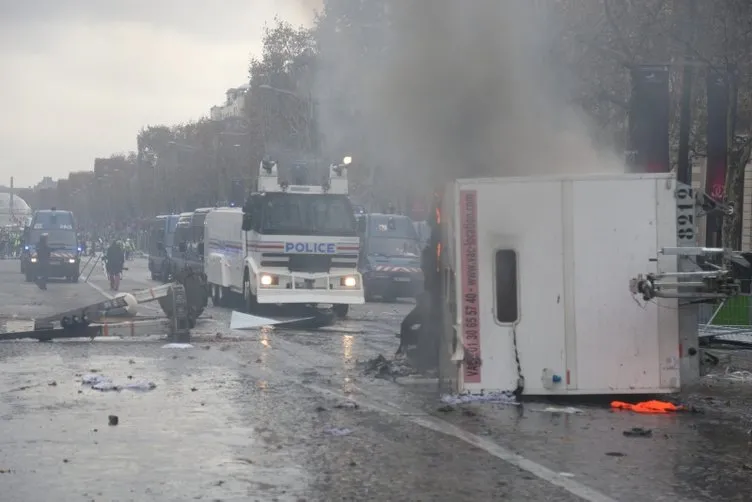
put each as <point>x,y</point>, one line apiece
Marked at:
<point>447,408</point>
<point>730,375</point>
<point>566,474</point>
<point>491,397</point>
<point>638,432</point>
<point>113,420</point>
<point>52,383</point>
<point>193,389</point>
<point>350,405</point>
<point>648,407</point>
<point>320,409</point>
<point>381,367</point>
<point>335,431</point>
<point>6,471</point>
<point>177,346</point>
<point>104,384</point>
<point>469,413</point>
<point>567,410</point>
<point>615,454</point>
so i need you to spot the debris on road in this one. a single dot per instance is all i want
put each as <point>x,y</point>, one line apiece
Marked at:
<point>490,397</point>
<point>569,410</point>
<point>350,405</point>
<point>104,384</point>
<point>113,420</point>
<point>730,375</point>
<point>177,346</point>
<point>335,431</point>
<point>638,432</point>
<point>648,407</point>
<point>381,367</point>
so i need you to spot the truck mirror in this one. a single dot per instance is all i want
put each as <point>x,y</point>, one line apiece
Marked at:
<point>183,247</point>
<point>247,222</point>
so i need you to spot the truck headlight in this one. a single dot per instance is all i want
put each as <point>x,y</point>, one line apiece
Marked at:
<point>71,260</point>
<point>268,280</point>
<point>349,282</point>
<point>33,259</point>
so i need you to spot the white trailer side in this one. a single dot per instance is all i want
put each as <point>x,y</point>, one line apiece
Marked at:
<point>542,268</point>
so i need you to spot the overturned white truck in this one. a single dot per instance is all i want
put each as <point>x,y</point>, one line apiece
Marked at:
<point>533,280</point>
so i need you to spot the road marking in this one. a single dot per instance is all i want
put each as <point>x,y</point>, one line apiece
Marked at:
<point>100,290</point>
<point>437,425</point>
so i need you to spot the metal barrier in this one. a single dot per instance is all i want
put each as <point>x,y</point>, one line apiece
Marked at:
<point>730,319</point>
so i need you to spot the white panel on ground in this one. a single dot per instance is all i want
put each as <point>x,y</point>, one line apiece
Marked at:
<point>247,321</point>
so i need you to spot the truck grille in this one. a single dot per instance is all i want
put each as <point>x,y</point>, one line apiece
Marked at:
<point>311,263</point>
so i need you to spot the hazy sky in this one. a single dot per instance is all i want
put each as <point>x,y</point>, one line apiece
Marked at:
<point>79,78</point>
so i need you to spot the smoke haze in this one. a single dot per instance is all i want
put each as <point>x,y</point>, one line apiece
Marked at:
<point>461,89</point>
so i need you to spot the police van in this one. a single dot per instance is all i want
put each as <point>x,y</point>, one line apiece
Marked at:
<point>390,258</point>
<point>291,243</point>
<point>65,251</point>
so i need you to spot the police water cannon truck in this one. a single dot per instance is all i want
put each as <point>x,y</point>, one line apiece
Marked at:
<point>295,241</point>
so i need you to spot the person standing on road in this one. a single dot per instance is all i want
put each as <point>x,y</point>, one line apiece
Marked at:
<point>115,260</point>
<point>43,261</point>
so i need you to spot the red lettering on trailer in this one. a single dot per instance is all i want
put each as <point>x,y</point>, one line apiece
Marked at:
<point>470,310</point>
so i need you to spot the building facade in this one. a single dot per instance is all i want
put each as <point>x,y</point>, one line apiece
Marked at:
<point>234,105</point>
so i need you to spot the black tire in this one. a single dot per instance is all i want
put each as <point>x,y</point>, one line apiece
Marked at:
<point>249,299</point>
<point>341,310</point>
<point>29,277</point>
<point>74,278</point>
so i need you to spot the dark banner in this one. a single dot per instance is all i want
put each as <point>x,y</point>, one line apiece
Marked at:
<point>649,120</point>
<point>717,149</point>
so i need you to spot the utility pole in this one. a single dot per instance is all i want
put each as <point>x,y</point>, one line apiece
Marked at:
<point>684,171</point>
<point>689,359</point>
<point>12,212</point>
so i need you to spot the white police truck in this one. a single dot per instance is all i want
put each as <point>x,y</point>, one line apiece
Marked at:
<point>295,241</point>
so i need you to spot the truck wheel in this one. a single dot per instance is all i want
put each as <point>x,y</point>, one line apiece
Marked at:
<point>74,278</point>
<point>341,310</point>
<point>249,299</point>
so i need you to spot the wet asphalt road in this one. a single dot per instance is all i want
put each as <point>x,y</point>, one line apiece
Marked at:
<point>246,416</point>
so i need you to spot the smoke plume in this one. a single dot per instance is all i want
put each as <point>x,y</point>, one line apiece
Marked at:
<point>456,89</point>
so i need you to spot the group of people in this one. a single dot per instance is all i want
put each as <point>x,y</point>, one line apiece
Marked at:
<point>10,244</point>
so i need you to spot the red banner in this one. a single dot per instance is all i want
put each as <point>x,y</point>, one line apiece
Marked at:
<point>470,310</point>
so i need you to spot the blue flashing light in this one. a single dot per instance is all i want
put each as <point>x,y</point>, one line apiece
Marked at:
<point>26,248</point>
<point>79,249</point>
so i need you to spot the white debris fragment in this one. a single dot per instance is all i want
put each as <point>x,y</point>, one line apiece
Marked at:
<point>104,384</point>
<point>335,431</point>
<point>733,376</point>
<point>141,386</point>
<point>490,397</point>
<point>567,409</point>
<point>177,346</point>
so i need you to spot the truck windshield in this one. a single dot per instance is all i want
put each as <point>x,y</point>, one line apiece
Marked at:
<point>393,247</point>
<point>49,219</point>
<point>55,238</point>
<point>298,214</point>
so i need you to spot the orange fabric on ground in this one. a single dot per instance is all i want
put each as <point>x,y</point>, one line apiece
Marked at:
<point>655,407</point>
